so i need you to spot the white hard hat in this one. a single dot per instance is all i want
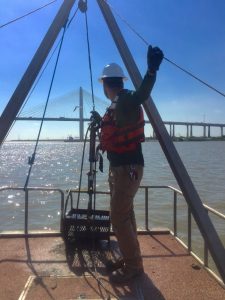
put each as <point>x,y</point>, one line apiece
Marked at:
<point>112,70</point>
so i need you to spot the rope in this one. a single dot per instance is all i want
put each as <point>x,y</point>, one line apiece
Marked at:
<point>33,11</point>
<point>100,284</point>
<point>168,60</point>
<point>32,158</point>
<point>83,7</point>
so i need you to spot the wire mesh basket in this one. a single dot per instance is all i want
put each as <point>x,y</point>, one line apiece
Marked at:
<point>82,224</point>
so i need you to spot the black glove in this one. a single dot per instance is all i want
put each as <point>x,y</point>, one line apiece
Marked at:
<point>95,117</point>
<point>154,58</point>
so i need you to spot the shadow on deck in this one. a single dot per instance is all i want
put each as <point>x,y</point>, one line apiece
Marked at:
<point>44,268</point>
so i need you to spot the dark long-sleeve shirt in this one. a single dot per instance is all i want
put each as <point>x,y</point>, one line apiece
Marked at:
<point>127,112</point>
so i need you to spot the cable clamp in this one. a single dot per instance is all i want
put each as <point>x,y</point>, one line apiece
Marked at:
<point>31,159</point>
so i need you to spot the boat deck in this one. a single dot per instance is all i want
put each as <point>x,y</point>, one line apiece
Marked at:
<point>44,268</point>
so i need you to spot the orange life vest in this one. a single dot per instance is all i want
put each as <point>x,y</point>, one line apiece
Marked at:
<point>121,139</point>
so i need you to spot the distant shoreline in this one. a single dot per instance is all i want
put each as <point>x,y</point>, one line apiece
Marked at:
<point>47,140</point>
<point>176,139</point>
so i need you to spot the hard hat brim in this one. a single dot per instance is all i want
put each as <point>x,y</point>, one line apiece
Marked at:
<point>100,79</point>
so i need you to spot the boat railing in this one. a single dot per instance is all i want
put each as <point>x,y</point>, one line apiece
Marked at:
<point>174,231</point>
<point>205,261</point>
<point>26,203</point>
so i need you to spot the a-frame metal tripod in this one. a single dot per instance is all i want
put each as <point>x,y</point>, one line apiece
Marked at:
<point>202,219</point>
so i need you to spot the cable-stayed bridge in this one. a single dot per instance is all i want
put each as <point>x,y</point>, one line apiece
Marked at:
<point>75,106</point>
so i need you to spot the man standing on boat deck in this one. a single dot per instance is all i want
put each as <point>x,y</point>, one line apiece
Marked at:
<point>122,132</point>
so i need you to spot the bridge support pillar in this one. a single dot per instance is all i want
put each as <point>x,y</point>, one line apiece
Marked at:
<point>187,135</point>
<point>204,131</point>
<point>170,130</point>
<point>174,131</point>
<point>221,128</point>
<point>81,109</point>
<point>154,135</point>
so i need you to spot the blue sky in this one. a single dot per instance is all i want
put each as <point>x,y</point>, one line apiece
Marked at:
<point>191,33</point>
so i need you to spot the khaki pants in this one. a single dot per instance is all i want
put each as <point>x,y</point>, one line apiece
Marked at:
<point>123,190</point>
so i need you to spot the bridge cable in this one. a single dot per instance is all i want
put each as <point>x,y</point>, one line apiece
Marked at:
<point>47,63</point>
<point>32,158</point>
<point>31,12</point>
<point>39,77</point>
<point>31,92</point>
<point>168,60</point>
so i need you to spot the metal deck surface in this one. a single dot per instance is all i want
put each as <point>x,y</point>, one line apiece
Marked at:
<point>44,268</point>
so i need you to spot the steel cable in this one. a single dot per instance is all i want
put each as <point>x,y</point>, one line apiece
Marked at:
<point>91,74</point>
<point>89,61</point>
<point>32,158</point>
<point>167,59</point>
<point>21,17</point>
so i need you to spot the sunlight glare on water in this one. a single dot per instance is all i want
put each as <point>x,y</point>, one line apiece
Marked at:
<point>57,165</point>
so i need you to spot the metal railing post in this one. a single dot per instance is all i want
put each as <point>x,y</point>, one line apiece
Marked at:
<point>26,212</point>
<point>62,212</point>
<point>175,213</point>
<point>146,209</point>
<point>206,251</point>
